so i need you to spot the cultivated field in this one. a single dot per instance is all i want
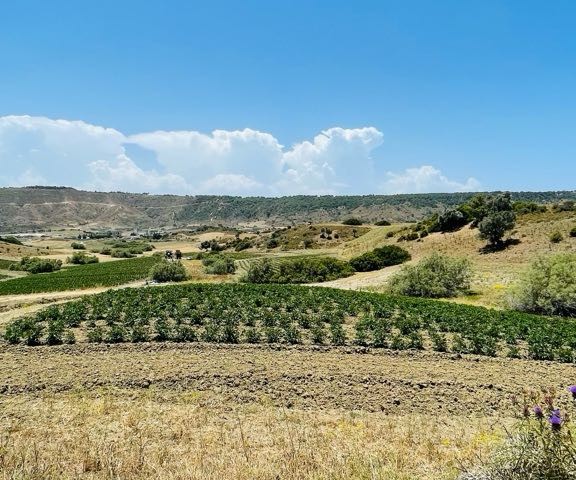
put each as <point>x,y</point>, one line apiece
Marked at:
<point>202,411</point>
<point>105,375</point>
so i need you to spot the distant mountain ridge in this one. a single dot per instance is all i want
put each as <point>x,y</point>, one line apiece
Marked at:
<point>41,208</point>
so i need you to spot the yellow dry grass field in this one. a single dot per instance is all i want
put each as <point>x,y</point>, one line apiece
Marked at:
<point>155,434</point>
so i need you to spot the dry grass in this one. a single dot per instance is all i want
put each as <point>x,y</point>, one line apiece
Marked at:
<point>113,434</point>
<point>496,273</point>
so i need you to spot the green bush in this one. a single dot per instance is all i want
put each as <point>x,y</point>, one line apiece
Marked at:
<point>37,265</point>
<point>523,208</point>
<point>122,254</point>
<point>382,223</point>
<point>450,221</point>
<point>297,270</point>
<point>166,271</point>
<point>271,243</point>
<point>549,286</point>
<point>352,221</point>
<point>436,276</point>
<point>565,206</point>
<point>242,245</point>
<point>380,258</point>
<point>556,237</point>
<point>78,246</point>
<point>218,265</point>
<point>408,237</point>
<point>573,232</point>
<point>80,258</point>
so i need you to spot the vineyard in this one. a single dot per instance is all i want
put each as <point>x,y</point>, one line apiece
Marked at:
<point>235,313</point>
<point>82,276</point>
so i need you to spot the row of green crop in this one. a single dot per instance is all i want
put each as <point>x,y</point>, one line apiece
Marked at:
<point>295,314</point>
<point>83,276</point>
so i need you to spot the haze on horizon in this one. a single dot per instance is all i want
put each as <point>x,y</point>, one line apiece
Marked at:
<point>291,98</point>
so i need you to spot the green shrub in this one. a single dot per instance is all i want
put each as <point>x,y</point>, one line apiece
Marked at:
<point>297,270</point>
<point>408,237</point>
<point>565,206</point>
<point>548,286</point>
<point>167,271</point>
<point>352,221</point>
<point>573,232</point>
<point>78,246</point>
<point>218,265</point>
<point>450,221</point>
<point>382,223</point>
<point>271,243</point>
<point>122,254</point>
<point>242,245</point>
<point>556,237</point>
<point>436,276</point>
<point>523,208</point>
<point>80,258</point>
<point>380,258</point>
<point>37,265</point>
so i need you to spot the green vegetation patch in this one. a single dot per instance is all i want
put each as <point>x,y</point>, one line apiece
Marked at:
<point>234,313</point>
<point>297,270</point>
<point>6,264</point>
<point>83,276</point>
<point>380,258</point>
<point>436,276</point>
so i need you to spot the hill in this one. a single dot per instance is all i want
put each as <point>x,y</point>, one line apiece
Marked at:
<point>42,208</point>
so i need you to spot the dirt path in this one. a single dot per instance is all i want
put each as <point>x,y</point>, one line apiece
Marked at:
<point>303,377</point>
<point>362,280</point>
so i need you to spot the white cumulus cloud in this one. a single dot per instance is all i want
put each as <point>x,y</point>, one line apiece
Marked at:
<point>426,179</point>
<point>39,150</point>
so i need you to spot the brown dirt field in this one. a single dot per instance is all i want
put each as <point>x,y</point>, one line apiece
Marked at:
<point>300,377</point>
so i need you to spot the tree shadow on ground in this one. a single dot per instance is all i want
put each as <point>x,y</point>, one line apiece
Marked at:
<point>498,247</point>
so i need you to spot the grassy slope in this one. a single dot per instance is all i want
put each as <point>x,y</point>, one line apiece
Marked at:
<point>496,273</point>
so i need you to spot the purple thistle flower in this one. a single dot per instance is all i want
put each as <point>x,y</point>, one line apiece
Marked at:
<point>555,420</point>
<point>572,390</point>
<point>538,412</point>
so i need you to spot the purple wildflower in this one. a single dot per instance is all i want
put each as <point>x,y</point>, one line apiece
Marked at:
<point>572,390</point>
<point>555,420</point>
<point>538,412</point>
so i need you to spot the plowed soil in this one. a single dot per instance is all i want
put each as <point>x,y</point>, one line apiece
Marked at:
<point>300,377</point>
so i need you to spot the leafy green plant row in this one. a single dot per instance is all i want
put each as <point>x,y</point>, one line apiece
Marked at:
<point>82,276</point>
<point>295,314</point>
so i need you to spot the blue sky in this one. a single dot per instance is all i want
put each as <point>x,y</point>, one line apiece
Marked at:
<point>283,97</point>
